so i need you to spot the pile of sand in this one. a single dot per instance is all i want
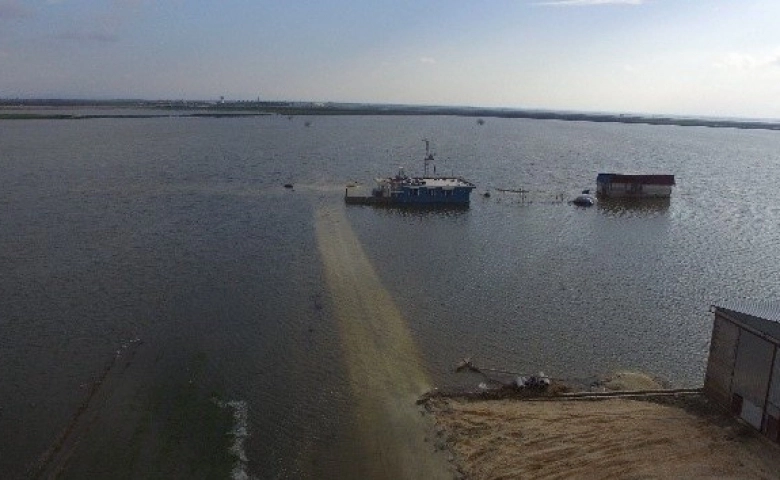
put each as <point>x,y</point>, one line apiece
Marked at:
<point>610,438</point>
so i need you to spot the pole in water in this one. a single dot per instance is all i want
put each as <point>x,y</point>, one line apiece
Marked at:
<point>428,156</point>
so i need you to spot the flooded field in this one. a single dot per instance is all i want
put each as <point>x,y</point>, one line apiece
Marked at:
<point>170,310</point>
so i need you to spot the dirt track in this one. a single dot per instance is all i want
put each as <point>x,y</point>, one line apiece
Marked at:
<point>385,370</point>
<point>613,438</point>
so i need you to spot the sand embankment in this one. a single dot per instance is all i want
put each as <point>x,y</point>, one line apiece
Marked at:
<point>384,365</point>
<point>606,438</point>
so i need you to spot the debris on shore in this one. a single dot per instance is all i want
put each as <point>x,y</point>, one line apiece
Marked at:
<point>497,384</point>
<point>625,424</point>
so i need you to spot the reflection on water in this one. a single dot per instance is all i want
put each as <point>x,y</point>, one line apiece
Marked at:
<point>417,212</point>
<point>633,207</point>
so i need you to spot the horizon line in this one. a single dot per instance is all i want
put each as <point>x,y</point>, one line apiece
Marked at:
<point>6,102</point>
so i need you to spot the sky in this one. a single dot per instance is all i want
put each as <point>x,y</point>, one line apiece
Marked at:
<point>682,57</point>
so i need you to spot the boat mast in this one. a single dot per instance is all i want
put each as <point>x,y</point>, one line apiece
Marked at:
<point>428,155</point>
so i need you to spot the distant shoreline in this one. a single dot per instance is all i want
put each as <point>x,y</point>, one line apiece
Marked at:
<point>21,110</point>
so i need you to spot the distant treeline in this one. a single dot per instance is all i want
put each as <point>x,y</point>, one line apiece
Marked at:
<point>252,108</point>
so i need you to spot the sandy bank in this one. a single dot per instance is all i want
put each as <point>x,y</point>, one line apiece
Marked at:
<point>680,437</point>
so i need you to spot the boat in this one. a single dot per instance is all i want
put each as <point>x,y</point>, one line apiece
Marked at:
<point>404,190</point>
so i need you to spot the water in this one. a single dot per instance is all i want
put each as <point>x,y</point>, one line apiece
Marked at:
<point>178,233</point>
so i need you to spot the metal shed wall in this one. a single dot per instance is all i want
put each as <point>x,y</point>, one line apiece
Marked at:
<point>761,316</point>
<point>720,365</point>
<point>774,387</point>
<point>772,411</point>
<point>752,368</point>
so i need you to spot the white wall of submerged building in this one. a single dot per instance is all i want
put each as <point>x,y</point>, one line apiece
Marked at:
<point>616,185</point>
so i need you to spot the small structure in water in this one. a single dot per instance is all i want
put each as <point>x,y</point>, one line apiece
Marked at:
<point>585,199</point>
<point>428,190</point>
<point>619,185</point>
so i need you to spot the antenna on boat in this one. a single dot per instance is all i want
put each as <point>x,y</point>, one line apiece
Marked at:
<point>428,155</point>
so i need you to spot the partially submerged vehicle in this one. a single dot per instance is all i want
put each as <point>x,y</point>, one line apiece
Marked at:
<point>585,199</point>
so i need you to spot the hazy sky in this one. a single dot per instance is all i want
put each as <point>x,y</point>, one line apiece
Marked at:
<point>705,57</point>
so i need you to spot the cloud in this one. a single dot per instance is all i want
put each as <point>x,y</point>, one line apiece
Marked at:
<point>12,9</point>
<point>427,60</point>
<point>589,3</point>
<point>746,61</point>
<point>89,37</point>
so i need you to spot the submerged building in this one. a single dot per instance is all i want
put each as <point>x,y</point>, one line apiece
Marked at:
<point>621,185</point>
<point>743,370</point>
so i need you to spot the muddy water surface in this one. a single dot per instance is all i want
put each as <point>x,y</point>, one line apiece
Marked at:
<point>324,322</point>
<point>385,368</point>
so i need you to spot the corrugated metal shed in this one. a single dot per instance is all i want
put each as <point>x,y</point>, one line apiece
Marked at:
<point>774,389</point>
<point>743,371</point>
<point>764,317</point>
<point>751,375</point>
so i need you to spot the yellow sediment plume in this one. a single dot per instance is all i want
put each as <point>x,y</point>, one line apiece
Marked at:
<point>385,371</point>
